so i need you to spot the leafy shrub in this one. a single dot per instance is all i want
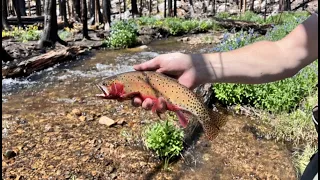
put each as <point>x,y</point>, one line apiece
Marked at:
<point>278,96</point>
<point>189,25</point>
<point>279,18</point>
<point>123,34</point>
<point>173,25</point>
<point>165,139</point>
<point>31,33</point>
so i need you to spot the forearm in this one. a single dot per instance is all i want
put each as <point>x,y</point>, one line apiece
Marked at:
<point>257,63</point>
<point>266,61</point>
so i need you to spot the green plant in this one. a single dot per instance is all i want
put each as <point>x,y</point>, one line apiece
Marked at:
<point>165,139</point>
<point>31,33</point>
<point>301,160</point>
<point>123,34</point>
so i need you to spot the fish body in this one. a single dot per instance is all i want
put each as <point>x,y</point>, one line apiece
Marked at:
<point>150,84</point>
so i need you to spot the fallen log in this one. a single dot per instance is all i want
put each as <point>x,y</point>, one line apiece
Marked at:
<point>245,25</point>
<point>41,62</point>
<point>25,20</point>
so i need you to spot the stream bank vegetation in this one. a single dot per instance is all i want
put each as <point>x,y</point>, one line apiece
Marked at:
<point>286,105</point>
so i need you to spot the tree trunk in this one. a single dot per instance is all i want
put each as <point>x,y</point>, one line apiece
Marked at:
<point>244,6</point>
<point>281,5</point>
<point>18,12</point>
<point>77,8</point>
<point>170,8</point>
<point>288,5</point>
<point>158,6</point>
<point>214,7</point>
<point>60,9</point>
<point>165,8</point>
<point>252,6</point>
<point>141,8</point>
<point>29,7</point>
<point>134,7</point>
<point>4,9</point>
<point>4,14</point>
<point>69,8</point>
<point>38,7</point>
<point>50,31</point>
<point>43,3</point>
<point>106,12</point>
<point>175,7</point>
<point>124,5</point>
<point>96,11</point>
<point>265,11</point>
<point>85,20</point>
<point>120,9</point>
<point>5,56</point>
<point>64,13</point>
<point>22,7</point>
<point>150,7</point>
<point>91,8</point>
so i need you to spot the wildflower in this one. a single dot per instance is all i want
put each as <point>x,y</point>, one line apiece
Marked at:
<point>238,40</point>
<point>225,36</point>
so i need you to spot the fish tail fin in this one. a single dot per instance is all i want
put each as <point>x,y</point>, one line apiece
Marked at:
<point>212,127</point>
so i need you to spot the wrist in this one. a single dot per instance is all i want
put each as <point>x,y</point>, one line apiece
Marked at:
<point>207,67</point>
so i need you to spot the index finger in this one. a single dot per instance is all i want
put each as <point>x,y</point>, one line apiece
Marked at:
<point>151,65</point>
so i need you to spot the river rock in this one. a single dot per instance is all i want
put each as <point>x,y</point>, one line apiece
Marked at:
<point>76,112</point>
<point>82,118</point>
<point>107,121</point>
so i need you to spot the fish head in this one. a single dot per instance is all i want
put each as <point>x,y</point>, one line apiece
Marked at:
<point>111,88</point>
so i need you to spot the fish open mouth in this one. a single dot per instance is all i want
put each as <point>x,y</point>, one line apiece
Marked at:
<point>104,90</point>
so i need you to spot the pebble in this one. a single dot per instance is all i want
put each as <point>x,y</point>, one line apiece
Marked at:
<point>48,128</point>
<point>10,154</point>
<point>107,121</point>
<point>76,112</point>
<point>82,118</point>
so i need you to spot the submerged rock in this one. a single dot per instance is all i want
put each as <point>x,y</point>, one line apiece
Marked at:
<point>107,121</point>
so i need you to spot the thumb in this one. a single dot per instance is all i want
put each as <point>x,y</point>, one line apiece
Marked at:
<point>152,64</point>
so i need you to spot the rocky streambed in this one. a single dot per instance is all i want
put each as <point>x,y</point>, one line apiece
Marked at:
<point>54,128</point>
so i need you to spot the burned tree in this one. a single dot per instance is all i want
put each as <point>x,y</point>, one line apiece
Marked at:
<point>16,6</point>
<point>64,13</point>
<point>97,13</point>
<point>170,8</point>
<point>4,14</point>
<point>106,12</point>
<point>50,31</point>
<point>134,7</point>
<point>85,20</point>
<point>38,7</point>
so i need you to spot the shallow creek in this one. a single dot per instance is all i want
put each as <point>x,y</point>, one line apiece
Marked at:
<point>51,142</point>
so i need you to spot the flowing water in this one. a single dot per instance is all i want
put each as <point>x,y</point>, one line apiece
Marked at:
<point>52,143</point>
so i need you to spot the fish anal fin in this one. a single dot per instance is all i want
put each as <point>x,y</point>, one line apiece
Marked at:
<point>219,119</point>
<point>212,127</point>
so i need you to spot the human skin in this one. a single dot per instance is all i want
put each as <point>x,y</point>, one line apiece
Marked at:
<point>257,63</point>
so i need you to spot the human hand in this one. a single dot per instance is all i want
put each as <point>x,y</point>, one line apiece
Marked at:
<point>183,67</point>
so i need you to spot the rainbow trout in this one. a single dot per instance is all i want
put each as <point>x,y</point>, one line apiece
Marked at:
<point>179,99</point>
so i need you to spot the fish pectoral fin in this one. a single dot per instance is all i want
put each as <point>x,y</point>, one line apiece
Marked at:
<point>130,95</point>
<point>182,118</point>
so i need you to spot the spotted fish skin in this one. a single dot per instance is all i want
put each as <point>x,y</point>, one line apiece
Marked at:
<point>180,99</point>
